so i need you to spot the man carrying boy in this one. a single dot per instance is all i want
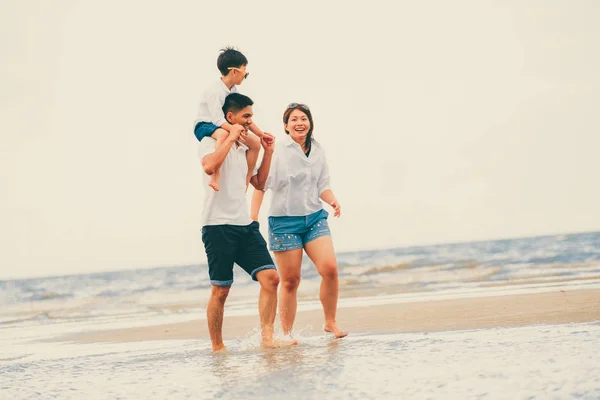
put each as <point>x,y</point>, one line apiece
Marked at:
<point>212,122</point>
<point>228,233</point>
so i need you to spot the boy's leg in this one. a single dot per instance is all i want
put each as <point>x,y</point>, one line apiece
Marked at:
<point>253,143</point>
<point>220,135</point>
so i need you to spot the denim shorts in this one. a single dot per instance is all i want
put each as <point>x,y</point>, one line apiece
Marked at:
<point>204,129</point>
<point>289,233</point>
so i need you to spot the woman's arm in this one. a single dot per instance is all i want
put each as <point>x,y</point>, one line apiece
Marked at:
<point>328,197</point>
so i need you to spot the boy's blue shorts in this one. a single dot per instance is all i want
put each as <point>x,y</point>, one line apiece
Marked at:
<point>204,129</point>
<point>289,233</point>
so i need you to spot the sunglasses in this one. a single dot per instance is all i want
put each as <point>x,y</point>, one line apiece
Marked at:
<point>239,70</point>
<point>294,105</point>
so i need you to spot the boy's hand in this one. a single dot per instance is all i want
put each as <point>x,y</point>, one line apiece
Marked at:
<point>236,133</point>
<point>268,143</point>
<point>267,137</point>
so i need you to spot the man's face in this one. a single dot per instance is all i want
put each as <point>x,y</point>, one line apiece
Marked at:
<point>242,117</point>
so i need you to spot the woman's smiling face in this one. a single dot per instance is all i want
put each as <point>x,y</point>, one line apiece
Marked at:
<point>298,126</point>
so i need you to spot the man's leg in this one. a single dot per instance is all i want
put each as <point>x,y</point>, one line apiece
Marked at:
<point>254,258</point>
<point>267,302</point>
<point>267,308</point>
<point>219,241</point>
<point>214,315</point>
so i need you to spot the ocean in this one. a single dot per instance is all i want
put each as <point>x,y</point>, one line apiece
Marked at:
<point>534,361</point>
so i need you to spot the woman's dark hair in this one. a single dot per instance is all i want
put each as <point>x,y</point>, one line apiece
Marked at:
<point>304,108</point>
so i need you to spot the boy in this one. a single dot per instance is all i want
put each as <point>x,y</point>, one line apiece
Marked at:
<point>211,121</point>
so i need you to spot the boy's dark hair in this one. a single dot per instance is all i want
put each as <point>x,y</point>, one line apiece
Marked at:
<point>235,102</point>
<point>230,58</point>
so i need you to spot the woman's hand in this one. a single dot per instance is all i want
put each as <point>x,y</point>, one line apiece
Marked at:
<point>337,209</point>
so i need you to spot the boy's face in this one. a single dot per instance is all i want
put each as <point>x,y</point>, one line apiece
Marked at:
<point>242,117</point>
<point>239,74</point>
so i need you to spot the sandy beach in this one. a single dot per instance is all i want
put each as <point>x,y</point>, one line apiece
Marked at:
<point>514,319</point>
<point>557,307</point>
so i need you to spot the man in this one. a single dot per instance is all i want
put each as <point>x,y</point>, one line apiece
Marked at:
<point>228,233</point>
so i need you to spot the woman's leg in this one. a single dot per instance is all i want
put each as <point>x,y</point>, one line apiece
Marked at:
<point>321,253</point>
<point>289,264</point>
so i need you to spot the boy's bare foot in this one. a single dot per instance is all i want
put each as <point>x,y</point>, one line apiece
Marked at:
<point>332,327</point>
<point>213,182</point>
<point>275,344</point>
<point>214,186</point>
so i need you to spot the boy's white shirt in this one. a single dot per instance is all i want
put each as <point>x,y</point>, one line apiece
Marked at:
<point>297,181</point>
<point>211,103</point>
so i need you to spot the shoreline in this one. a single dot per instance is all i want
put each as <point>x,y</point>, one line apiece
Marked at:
<point>556,307</point>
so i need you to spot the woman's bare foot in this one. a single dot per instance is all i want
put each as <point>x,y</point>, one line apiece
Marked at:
<point>332,327</point>
<point>275,344</point>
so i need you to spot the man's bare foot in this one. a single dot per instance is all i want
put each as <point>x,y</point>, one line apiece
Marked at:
<point>219,348</point>
<point>275,344</point>
<point>332,327</point>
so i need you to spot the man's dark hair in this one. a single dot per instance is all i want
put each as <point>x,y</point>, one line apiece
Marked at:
<point>235,102</point>
<point>230,58</point>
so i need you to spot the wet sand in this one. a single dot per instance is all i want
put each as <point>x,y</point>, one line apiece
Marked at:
<point>558,307</point>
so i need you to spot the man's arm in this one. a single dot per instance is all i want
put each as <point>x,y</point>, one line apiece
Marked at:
<point>260,179</point>
<point>213,161</point>
<point>257,199</point>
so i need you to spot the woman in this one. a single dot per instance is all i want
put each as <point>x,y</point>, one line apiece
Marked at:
<point>299,178</point>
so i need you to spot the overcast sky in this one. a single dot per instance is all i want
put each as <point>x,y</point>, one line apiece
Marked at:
<point>442,121</point>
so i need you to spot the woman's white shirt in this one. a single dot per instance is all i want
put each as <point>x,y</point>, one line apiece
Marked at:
<point>296,180</point>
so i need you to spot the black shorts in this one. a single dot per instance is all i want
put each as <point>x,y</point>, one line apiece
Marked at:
<point>228,244</point>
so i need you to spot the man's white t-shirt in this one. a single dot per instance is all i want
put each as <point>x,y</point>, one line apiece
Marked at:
<point>228,206</point>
